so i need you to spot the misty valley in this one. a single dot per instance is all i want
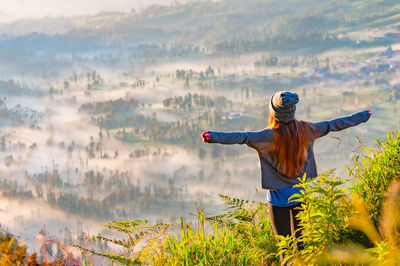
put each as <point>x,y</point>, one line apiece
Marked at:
<point>112,132</point>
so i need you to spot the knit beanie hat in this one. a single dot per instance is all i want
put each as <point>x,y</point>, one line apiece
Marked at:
<point>282,105</point>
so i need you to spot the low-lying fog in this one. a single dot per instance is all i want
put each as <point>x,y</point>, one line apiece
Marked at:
<point>97,145</point>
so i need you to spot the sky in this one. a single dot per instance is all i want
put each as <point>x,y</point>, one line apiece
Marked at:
<point>11,10</point>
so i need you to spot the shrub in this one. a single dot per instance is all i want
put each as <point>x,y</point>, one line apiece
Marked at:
<point>14,253</point>
<point>374,172</point>
<point>385,237</point>
<point>323,219</point>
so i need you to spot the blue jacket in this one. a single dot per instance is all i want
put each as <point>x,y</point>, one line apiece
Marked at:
<point>260,140</point>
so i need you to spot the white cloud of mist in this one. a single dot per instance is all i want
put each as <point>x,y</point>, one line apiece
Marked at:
<point>13,10</point>
<point>28,218</point>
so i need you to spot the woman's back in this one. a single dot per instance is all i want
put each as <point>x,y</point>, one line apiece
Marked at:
<point>290,145</point>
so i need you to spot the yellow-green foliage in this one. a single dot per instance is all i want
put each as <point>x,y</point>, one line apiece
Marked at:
<point>328,217</point>
<point>385,237</point>
<point>134,233</point>
<point>242,236</point>
<point>14,253</point>
<point>374,172</point>
<point>246,239</point>
<point>323,219</point>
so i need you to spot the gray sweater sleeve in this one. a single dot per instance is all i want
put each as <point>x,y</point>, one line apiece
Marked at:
<point>324,127</point>
<point>252,139</point>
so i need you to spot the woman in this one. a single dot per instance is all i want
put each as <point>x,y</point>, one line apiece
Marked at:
<point>285,150</point>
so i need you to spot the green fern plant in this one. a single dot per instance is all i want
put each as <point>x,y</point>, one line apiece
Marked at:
<point>237,209</point>
<point>135,232</point>
<point>323,219</point>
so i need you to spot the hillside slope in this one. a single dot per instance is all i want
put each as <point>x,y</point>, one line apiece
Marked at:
<point>211,22</point>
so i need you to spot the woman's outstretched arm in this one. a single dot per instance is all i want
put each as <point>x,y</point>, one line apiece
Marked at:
<point>324,127</point>
<point>252,139</point>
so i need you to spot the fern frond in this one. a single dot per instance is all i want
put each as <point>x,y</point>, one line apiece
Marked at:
<point>233,203</point>
<point>123,243</point>
<point>125,226</point>
<point>113,257</point>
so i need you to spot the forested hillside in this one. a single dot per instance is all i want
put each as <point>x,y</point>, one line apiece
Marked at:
<point>216,26</point>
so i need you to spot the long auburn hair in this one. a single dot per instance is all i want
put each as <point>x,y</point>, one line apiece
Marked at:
<point>289,145</point>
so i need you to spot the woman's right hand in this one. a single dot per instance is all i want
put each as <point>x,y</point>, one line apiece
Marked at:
<point>206,136</point>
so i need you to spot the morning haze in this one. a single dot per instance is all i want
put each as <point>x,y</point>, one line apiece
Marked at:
<point>103,103</point>
<point>36,9</point>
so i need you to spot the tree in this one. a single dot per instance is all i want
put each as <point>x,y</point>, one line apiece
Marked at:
<point>66,84</point>
<point>202,154</point>
<point>187,82</point>
<point>215,152</point>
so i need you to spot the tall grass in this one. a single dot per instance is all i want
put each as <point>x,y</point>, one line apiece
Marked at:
<point>241,236</point>
<point>385,237</point>
<point>375,171</point>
